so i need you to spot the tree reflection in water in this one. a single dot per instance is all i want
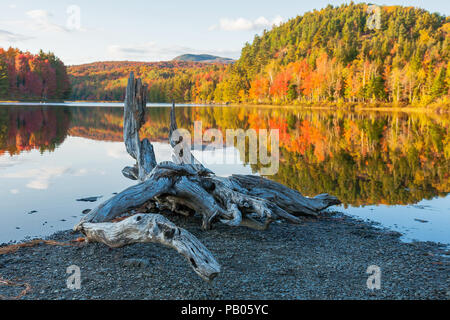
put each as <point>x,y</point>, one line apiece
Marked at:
<point>362,158</point>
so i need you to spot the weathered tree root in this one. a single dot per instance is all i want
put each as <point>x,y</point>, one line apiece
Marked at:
<point>33,243</point>
<point>24,292</point>
<point>186,187</point>
<point>144,228</point>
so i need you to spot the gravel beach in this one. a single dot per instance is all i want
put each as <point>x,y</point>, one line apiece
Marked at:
<point>325,258</point>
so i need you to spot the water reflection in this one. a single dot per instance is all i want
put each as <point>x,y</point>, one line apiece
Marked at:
<point>362,158</point>
<point>25,129</point>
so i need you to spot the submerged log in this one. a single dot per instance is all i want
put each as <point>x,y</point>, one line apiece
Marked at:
<point>186,187</point>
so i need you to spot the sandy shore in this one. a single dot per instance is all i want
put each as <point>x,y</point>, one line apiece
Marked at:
<point>325,258</point>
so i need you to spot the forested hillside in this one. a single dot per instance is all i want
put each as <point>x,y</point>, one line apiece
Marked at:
<point>27,76</point>
<point>330,55</point>
<point>178,80</point>
<point>205,58</point>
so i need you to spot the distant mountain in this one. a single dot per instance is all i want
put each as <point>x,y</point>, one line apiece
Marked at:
<point>328,55</point>
<point>205,58</point>
<point>167,80</point>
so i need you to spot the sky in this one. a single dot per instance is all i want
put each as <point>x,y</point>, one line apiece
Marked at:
<point>83,31</point>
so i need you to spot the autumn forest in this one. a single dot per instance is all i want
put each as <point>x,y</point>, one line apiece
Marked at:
<point>26,76</point>
<point>329,55</point>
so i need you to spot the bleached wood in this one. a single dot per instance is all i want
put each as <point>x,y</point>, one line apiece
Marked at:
<point>288,199</point>
<point>145,228</point>
<point>186,187</point>
<point>134,118</point>
<point>127,200</point>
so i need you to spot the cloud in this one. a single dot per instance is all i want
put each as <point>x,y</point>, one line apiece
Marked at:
<point>11,161</point>
<point>14,191</point>
<point>43,179</point>
<point>242,24</point>
<point>80,172</point>
<point>151,51</point>
<point>42,21</point>
<point>40,178</point>
<point>117,151</point>
<point>12,37</point>
<point>39,184</point>
<point>163,151</point>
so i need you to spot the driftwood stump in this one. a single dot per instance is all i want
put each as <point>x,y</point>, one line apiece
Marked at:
<point>184,186</point>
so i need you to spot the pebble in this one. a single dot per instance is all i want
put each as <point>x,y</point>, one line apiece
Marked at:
<point>325,259</point>
<point>137,263</point>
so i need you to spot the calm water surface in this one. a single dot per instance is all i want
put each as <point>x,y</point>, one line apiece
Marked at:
<point>392,168</point>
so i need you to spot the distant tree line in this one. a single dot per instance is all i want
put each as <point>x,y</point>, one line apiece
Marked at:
<point>172,80</point>
<point>27,76</point>
<point>326,55</point>
<point>329,55</point>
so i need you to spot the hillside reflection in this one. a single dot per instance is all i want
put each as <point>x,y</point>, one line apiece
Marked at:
<point>25,129</point>
<point>362,158</point>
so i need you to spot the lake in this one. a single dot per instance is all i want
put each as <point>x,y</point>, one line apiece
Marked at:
<point>391,168</point>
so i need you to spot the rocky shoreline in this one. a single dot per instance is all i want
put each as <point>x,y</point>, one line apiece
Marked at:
<point>324,258</point>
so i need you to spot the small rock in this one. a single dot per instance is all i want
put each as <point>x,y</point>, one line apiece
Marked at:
<point>31,212</point>
<point>90,199</point>
<point>421,221</point>
<point>137,263</point>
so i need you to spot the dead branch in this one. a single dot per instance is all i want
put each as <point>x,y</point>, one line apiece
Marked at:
<point>186,187</point>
